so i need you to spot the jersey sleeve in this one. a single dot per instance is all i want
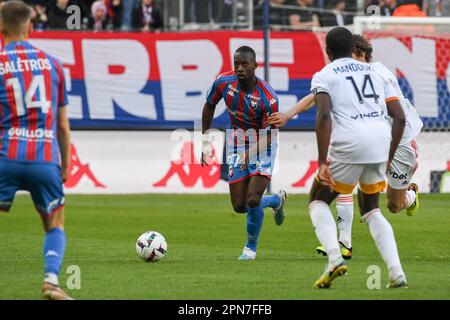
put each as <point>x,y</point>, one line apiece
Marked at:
<point>214,94</point>
<point>389,91</point>
<point>319,84</point>
<point>62,92</point>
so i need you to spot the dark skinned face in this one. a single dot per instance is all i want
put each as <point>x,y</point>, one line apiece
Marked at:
<point>244,67</point>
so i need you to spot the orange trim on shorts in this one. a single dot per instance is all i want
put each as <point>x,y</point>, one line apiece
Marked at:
<point>373,188</point>
<point>343,188</point>
<point>392,99</point>
<point>339,187</point>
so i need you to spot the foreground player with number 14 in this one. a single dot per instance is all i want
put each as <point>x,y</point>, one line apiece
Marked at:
<point>353,148</point>
<point>35,134</point>
<point>401,194</point>
<point>250,101</point>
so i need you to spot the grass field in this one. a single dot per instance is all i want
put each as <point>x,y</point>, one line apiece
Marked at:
<point>205,238</point>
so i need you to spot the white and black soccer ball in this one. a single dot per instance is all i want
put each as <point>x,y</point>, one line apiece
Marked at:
<point>151,246</point>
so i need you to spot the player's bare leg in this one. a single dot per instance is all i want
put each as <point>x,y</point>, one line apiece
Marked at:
<point>399,199</point>
<point>256,188</point>
<point>238,195</point>
<point>396,199</point>
<point>383,235</point>
<point>54,228</point>
<point>256,197</point>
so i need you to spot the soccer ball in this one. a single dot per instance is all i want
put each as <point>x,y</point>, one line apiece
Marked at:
<point>151,246</point>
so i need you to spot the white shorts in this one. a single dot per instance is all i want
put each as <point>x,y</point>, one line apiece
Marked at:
<point>403,166</point>
<point>371,177</point>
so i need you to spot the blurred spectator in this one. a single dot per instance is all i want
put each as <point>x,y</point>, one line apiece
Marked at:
<point>98,21</point>
<point>197,11</point>
<point>368,3</point>
<point>114,8</point>
<point>277,15</point>
<point>319,4</point>
<point>388,7</point>
<point>208,11</point>
<point>437,8</point>
<point>222,11</point>
<point>303,17</point>
<point>39,17</point>
<point>408,8</point>
<point>127,12</point>
<point>146,16</point>
<point>35,2</point>
<point>57,14</point>
<point>337,16</point>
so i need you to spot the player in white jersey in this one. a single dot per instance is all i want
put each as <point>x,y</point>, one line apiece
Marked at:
<point>355,145</point>
<point>401,194</point>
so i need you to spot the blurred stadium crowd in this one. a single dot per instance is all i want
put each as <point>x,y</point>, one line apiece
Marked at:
<point>149,15</point>
<point>306,14</point>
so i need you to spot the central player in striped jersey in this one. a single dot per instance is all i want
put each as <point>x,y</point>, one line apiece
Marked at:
<point>34,134</point>
<point>251,143</point>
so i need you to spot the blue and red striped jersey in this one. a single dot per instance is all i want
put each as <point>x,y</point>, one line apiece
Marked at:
<point>246,110</point>
<point>32,89</point>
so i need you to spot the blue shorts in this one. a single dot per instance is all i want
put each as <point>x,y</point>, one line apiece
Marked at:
<point>43,181</point>
<point>262,164</point>
<point>262,167</point>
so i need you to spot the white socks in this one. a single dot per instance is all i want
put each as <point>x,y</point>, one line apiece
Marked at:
<point>382,233</point>
<point>410,198</point>
<point>325,227</point>
<point>51,278</point>
<point>344,208</point>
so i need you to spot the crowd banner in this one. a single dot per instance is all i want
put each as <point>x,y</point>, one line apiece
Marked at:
<point>160,80</point>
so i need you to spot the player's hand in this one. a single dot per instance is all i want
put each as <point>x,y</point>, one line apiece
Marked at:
<point>278,119</point>
<point>206,159</point>
<point>64,173</point>
<point>244,160</point>
<point>207,152</point>
<point>325,176</point>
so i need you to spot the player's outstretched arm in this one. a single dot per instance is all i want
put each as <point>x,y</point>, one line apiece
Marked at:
<point>398,125</point>
<point>279,119</point>
<point>207,116</point>
<point>63,134</point>
<point>323,132</point>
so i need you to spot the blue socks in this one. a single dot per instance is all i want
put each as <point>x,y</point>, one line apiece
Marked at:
<point>54,247</point>
<point>255,218</point>
<point>272,201</point>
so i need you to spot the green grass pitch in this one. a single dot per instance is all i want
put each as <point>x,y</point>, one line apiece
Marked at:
<point>204,240</point>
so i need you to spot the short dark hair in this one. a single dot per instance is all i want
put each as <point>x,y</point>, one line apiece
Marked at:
<point>14,15</point>
<point>339,42</point>
<point>246,49</point>
<point>362,45</point>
